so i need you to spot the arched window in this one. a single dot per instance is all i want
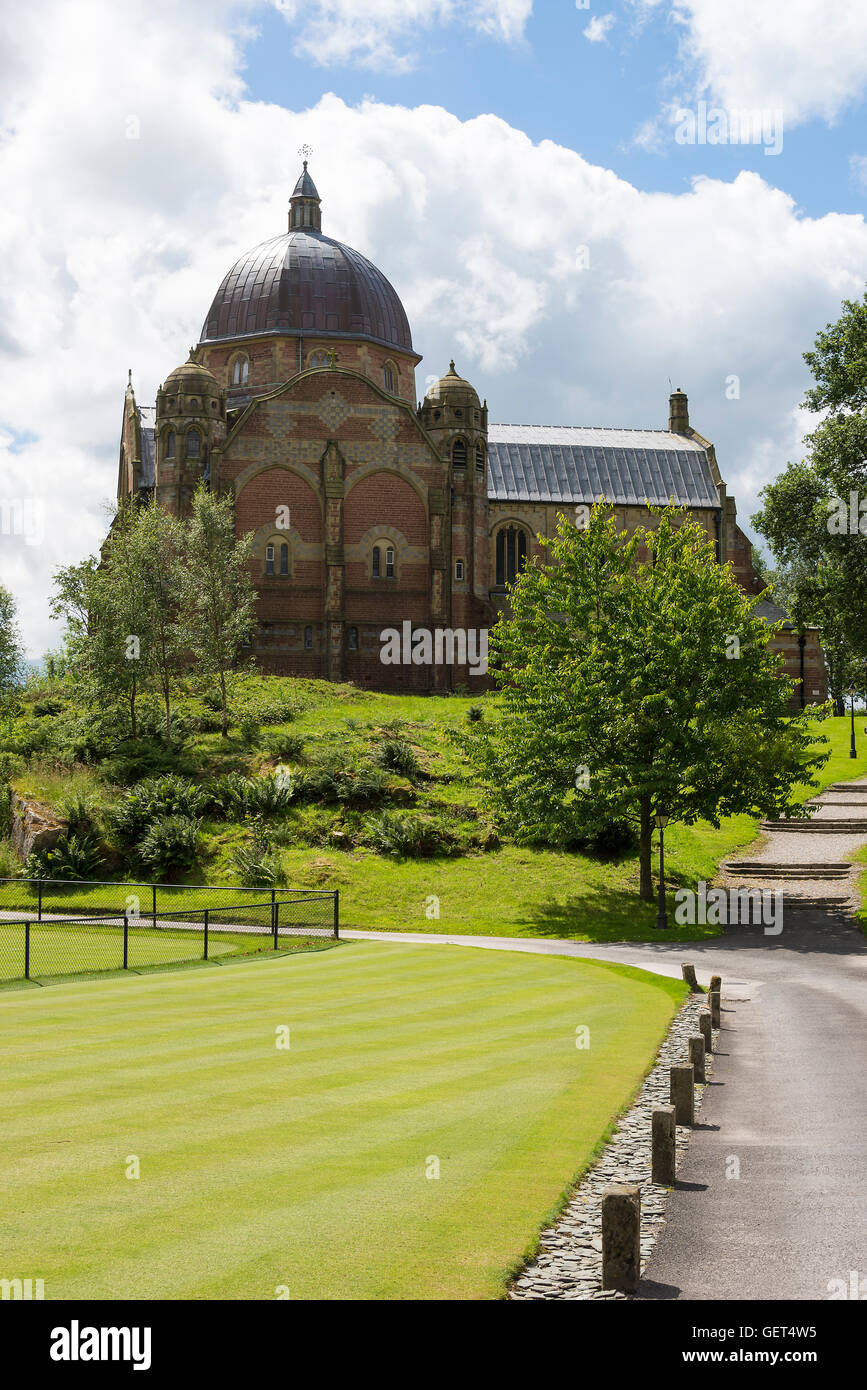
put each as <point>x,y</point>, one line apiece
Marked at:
<point>194,444</point>
<point>194,404</point>
<point>459,454</point>
<point>269,559</point>
<point>353,639</point>
<point>318,358</point>
<point>241,371</point>
<point>170,444</point>
<point>376,567</point>
<point>308,639</point>
<point>511,554</point>
<point>480,459</point>
<point>284,558</point>
<point>388,377</point>
<point>389,563</point>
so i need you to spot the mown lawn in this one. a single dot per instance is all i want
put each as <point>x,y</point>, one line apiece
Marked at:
<point>311,1171</point>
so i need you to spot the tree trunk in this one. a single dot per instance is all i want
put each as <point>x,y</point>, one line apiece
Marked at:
<point>645,890</point>
<point>132,720</point>
<point>225,709</point>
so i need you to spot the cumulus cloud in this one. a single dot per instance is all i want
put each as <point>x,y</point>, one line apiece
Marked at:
<point>598,29</point>
<point>566,294</point>
<point>385,33</point>
<point>807,59</point>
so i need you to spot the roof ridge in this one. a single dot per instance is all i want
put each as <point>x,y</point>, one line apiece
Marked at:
<point>620,429</point>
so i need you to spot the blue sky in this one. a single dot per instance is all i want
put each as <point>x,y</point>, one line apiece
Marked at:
<point>593,97</point>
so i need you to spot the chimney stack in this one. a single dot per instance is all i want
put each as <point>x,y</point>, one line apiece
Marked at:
<point>678,412</point>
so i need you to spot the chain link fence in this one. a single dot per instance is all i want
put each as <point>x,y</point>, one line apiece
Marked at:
<point>52,943</point>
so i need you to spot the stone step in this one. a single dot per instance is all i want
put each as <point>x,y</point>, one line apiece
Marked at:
<point>832,826</point>
<point>756,868</point>
<point>847,787</point>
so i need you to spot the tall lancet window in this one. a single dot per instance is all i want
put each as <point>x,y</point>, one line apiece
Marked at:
<point>511,554</point>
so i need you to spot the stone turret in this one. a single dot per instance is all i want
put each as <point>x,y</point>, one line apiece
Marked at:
<point>190,425</point>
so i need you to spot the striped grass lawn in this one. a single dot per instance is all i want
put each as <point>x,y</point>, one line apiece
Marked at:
<point>264,1168</point>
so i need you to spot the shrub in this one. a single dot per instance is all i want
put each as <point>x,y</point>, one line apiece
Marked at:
<point>408,836</point>
<point>48,707</point>
<point>170,843</point>
<point>256,861</point>
<point>364,787</point>
<point>475,714</point>
<point>249,730</point>
<point>268,795</point>
<point>285,746</point>
<point>75,856</point>
<point>156,798</point>
<point>78,810</point>
<point>321,783</point>
<point>396,755</point>
<point>227,795</point>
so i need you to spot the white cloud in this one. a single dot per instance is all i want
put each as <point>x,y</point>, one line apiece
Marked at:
<point>599,27</point>
<point>111,250</point>
<point>799,56</point>
<point>386,33</point>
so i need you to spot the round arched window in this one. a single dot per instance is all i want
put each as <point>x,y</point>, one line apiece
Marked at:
<point>194,444</point>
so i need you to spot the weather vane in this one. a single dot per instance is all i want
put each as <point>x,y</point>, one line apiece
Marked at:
<point>305,152</point>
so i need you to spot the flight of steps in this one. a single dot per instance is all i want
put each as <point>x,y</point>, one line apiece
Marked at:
<point>853,824</point>
<point>762,868</point>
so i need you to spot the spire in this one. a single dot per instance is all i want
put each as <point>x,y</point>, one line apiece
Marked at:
<point>304,205</point>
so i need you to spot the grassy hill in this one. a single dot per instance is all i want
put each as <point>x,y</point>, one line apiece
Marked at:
<point>382,806</point>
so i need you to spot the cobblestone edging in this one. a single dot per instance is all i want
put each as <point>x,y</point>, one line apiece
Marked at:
<point>569,1262</point>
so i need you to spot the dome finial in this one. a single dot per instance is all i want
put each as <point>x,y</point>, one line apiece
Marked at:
<point>304,205</point>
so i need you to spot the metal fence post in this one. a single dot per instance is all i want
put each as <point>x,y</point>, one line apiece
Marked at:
<point>27,950</point>
<point>206,934</point>
<point>125,942</point>
<point>275,911</point>
<point>154,893</point>
<point>39,892</point>
<point>336,913</point>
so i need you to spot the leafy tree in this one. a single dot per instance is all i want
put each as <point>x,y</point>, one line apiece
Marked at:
<point>218,598</point>
<point>152,559</point>
<point>838,362</point>
<point>635,681</point>
<point>11,649</point>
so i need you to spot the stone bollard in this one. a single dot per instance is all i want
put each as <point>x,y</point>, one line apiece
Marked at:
<point>689,976</point>
<point>696,1056</point>
<point>621,1238</point>
<point>714,1008</point>
<point>683,1093</point>
<point>662,1145</point>
<point>706,1029</point>
<point>715,984</point>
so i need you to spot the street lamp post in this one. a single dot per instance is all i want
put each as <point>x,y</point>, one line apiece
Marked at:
<point>661,914</point>
<point>851,693</point>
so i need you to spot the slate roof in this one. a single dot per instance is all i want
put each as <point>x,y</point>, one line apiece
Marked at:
<point>564,463</point>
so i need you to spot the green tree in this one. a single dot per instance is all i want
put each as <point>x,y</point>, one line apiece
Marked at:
<point>634,686</point>
<point>11,648</point>
<point>218,598</point>
<point>98,599</point>
<point>152,557</point>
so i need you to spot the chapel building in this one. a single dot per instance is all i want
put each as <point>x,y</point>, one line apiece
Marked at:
<point>370,511</point>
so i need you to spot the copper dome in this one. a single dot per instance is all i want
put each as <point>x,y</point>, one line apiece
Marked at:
<point>304,282</point>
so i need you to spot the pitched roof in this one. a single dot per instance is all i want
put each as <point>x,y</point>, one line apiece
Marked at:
<point>564,463</point>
